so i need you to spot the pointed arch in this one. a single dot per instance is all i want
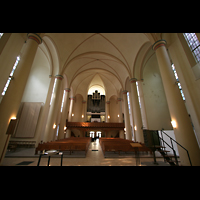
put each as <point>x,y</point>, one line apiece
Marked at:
<point>54,55</point>
<point>139,61</point>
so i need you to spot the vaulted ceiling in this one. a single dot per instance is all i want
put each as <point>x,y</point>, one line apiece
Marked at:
<point>111,56</point>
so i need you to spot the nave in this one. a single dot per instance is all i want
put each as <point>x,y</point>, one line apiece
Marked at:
<point>94,157</point>
<point>142,80</point>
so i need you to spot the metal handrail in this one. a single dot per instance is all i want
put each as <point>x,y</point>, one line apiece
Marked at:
<point>178,144</point>
<point>176,160</point>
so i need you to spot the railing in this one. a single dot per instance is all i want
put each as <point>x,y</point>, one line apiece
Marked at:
<point>172,147</point>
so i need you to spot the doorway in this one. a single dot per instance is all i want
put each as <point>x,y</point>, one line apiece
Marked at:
<point>95,135</point>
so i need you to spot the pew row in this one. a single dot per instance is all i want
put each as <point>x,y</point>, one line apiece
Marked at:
<point>68,144</point>
<point>120,145</point>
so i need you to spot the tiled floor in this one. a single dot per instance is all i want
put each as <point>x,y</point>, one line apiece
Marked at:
<point>94,157</point>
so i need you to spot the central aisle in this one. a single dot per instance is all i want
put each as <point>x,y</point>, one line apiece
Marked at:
<point>94,157</point>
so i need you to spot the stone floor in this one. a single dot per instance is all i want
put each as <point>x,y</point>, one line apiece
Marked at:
<point>94,157</point>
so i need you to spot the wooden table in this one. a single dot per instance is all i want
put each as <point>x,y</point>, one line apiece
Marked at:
<point>137,155</point>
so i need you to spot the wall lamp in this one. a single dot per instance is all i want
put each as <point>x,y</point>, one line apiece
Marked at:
<point>174,125</point>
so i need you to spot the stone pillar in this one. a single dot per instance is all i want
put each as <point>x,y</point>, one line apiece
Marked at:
<point>83,117</point>
<point>64,114</point>
<point>121,132</point>
<point>120,119</point>
<point>127,117</point>
<point>41,125</point>
<point>183,131</point>
<point>143,110</point>
<point>107,111</point>
<point>51,125</point>
<point>70,108</point>
<point>12,99</point>
<point>10,46</point>
<point>136,112</point>
<point>68,132</point>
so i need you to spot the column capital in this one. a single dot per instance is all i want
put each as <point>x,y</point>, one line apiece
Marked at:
<point>119,99</point>
<point>107,102</point>
<point>133,80</point>
<point>72,98</point>
<point>35,36</point>
<point>158,44</point>
<point>83,101</point>
<point>67,89</point>
<point>124,92</point>
<point>60,77</point>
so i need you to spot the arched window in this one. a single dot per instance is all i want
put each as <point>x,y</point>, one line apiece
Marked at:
<point>194,45</point>
<point>1,34</point>
<point>10,77</point>
<point>177,81</point>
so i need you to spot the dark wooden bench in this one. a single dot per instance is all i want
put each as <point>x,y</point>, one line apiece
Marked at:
<point>71,144</point>
<point>121,145</point>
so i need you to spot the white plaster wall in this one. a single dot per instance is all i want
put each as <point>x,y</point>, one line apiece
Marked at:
<point>157,111</point>
<point>38,81</point>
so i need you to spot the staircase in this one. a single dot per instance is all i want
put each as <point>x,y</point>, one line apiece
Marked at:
<point>171,159</point>
<point>157,143</point>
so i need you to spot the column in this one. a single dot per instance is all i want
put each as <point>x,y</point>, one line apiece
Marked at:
<point>12,99</point>
<point>70,108</point>
<point>126,116</point>
<point>143,110</point>
<point>64,114</point>
<point>51,125</point>
<point>107,111</point>
<point>68,132</point>
<point>119,100</point>
<point>121,132</point>
<point>83,117</point>
<point>41,125</point>
<point>182,126</point>
<point>136,112</point>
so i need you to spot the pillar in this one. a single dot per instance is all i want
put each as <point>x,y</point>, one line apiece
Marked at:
<point>83,117</point>
<point>70,108</point>
<point>51,125</point>
<point>107,111</point>
<point>68,132</point>
<point>136,112</point>
<point>12,99</point>
<point>143,110</point>
<point>64,115</point>
<point>10,46</point>
<point>183,131</point>
<point>41,125</point>
<point>120,118</point>
<point>126,116</point>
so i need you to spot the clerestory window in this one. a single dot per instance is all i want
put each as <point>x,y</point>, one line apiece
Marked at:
<point>10,77</point>
<point>194,45</point>
<point>1,34</point>
<point>177,80</point>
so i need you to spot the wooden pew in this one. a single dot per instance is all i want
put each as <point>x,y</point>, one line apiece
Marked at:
<point>68,144</point>
<point>118,145</point>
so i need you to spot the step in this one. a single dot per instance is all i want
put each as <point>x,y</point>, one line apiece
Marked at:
<point>172,156</point>
<point>163,150</point>
<point>173,161</point>
<point>157,146</point>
